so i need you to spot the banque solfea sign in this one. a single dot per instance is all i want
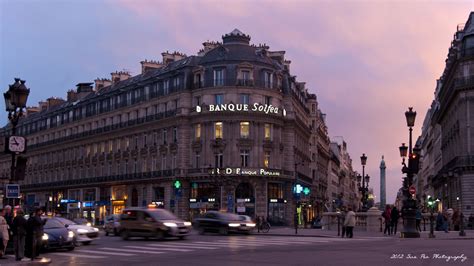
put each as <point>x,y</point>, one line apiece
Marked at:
<point>232,107</point>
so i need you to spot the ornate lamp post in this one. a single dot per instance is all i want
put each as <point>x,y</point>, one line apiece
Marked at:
<point>15,101</point>
<point>409,204</point>
<point>296,195</point>
<point>363,183</point>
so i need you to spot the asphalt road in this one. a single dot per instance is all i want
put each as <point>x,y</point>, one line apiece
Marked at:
<point>269,250</point>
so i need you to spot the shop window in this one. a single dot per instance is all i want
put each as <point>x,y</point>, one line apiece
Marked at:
<point>275,191</point>
<point>158,194</point>
<point>218,130</point>
<point>244,129</point>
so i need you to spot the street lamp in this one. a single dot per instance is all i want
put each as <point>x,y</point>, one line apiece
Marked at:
<point>363,182</point>
<point>15,101</point>
<point>409,204</point>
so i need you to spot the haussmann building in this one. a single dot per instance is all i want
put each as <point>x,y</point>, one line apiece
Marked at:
<point>229,127</point>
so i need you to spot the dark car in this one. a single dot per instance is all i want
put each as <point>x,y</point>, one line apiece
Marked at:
<point>57,236</point>
<point>223,223</point>
<point>152,222</point>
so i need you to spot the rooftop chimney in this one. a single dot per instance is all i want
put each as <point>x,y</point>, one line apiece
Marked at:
<point>207,47</point>
<point>119,76</point>
<point>53,101</point>
<point>150,65</point>
<point>71,96</point>
<point>83,89</point>
<point>101,83</point>
<point>172,57</point>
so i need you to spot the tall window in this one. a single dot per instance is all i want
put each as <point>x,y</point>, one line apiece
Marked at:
<point>268,132</point>
<point>166,86</point>
<point>176,82</point>
<point>218,130</point>
<point>197,158</point>
<point>197,131</point>
<point>175,134</point>
<point>127,143</point>
<point>266,159</point>
<point>163,162</point>
<point>118,144</point>
<point>164,135</point>
<point>244,98</point>
<point>110,146</point>
<point>197,100</point>
<point>219,98</point>
<point>245,75</point>
<point>244,129</point>
<point>219,160</point>
<point>244,158</point>
<point>268,100</point>
<point>153,165</point>
<point>218,77</point>
<point>268,78</point>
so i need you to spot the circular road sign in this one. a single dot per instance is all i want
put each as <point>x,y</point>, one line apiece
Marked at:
<point>412,190</point>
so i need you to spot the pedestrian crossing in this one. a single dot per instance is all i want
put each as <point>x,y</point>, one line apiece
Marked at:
<point>183,247</point>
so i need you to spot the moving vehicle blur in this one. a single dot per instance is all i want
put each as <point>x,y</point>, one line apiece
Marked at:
<point>112,224</point>
<point>82,233</point>
<point>152,222</point>
<point>224,223</point>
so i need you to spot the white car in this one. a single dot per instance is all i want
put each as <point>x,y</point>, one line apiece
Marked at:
<point>83,234</point>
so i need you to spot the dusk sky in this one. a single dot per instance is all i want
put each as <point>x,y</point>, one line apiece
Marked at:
<point>367,61</point>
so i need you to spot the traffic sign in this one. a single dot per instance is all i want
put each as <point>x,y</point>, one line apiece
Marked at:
<point>412,190</point>
<point>12,191</point>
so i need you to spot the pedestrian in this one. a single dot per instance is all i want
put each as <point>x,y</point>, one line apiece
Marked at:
<point>456,219</point>
<point>34,234</point>
<point>395,215</point>
<point>4,234</point>
<point>259,223</point>
<point>445,222</point>
<point>350,222</point>
<point>418,220</point>
<point>8,215</point>
<point>342,218</point>
<point>19,234</point>
<point>439,221</point>
<point>387,219</point>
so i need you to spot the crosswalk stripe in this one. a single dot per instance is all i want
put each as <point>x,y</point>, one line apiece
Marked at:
<point>270,242</point>
<point>160,249</point>
<point>220,244</point>
<point>105,253</point>
<point>285,241</point>
<point>134,251</point>
<point>253,243</point>
<point>80,255</point>
<point>181,245</point>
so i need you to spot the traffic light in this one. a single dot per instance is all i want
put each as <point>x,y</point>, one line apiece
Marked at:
<point>177,184</point>
<point>414,163</point>
<point>177,188</point>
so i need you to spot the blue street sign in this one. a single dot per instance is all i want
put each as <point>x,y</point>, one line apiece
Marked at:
<point>12,191</point>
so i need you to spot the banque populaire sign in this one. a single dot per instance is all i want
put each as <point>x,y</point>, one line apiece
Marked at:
<point>232,107</point>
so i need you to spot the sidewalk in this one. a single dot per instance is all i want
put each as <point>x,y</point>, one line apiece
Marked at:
<point>302,232</point>
<point>11,261</point>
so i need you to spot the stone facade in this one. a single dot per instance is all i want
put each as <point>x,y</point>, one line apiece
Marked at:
<point>451,176</point>
<point>230,124</point>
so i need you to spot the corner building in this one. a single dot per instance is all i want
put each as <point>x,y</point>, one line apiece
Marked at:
<point>231,124</point>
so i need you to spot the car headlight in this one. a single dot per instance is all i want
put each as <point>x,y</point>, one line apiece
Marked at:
<point>234,225</point>
<point>45,237</point>
<point>170,224</point>
<point>96,229</point>
<point>70,234</point>
<point>187,223</point>
<point>250,225</point>
<point>89,224</point>
<point>82,231</point>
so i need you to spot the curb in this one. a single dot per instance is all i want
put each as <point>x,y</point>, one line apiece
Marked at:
<point>270,234</point>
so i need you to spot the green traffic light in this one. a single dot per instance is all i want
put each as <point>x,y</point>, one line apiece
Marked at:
<point>177,184</point>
